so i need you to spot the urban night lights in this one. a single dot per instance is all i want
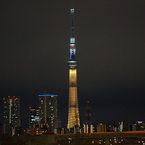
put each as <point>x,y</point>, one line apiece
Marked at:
<point>105,106</point>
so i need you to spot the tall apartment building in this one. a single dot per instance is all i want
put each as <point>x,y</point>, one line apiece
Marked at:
<point>11,115</point>
<point>48,111</point>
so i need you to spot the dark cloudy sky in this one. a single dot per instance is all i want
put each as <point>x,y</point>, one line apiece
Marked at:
<point>110,37</point>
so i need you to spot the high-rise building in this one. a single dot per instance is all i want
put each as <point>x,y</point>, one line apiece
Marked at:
<point>123,126</point>
<point>140,126</point>
<point>34,116</point>
<point>48,111</point>
<point>73,109</point>
<point>11,116</point>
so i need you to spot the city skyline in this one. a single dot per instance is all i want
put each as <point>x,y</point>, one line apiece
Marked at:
<point>110,49</point>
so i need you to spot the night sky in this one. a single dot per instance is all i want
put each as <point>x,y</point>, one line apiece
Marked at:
<point>110,40</point>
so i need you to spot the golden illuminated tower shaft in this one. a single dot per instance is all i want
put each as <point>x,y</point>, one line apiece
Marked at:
<point>73,109</point>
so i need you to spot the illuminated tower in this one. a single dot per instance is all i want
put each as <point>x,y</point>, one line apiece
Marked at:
<point>73,109</point>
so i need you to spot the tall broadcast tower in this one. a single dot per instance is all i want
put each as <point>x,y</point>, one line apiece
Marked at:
<point>73,109</point>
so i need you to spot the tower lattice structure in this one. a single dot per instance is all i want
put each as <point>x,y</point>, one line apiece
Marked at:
<point>73,109</point>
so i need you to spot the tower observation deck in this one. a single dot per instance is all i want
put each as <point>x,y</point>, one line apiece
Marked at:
<point>73,109</point>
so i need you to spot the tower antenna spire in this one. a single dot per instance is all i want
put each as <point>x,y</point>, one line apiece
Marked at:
<point>72,22</point>
<point>72,38</point>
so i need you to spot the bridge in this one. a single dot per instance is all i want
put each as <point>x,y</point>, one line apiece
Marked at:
<point>102,138</point>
